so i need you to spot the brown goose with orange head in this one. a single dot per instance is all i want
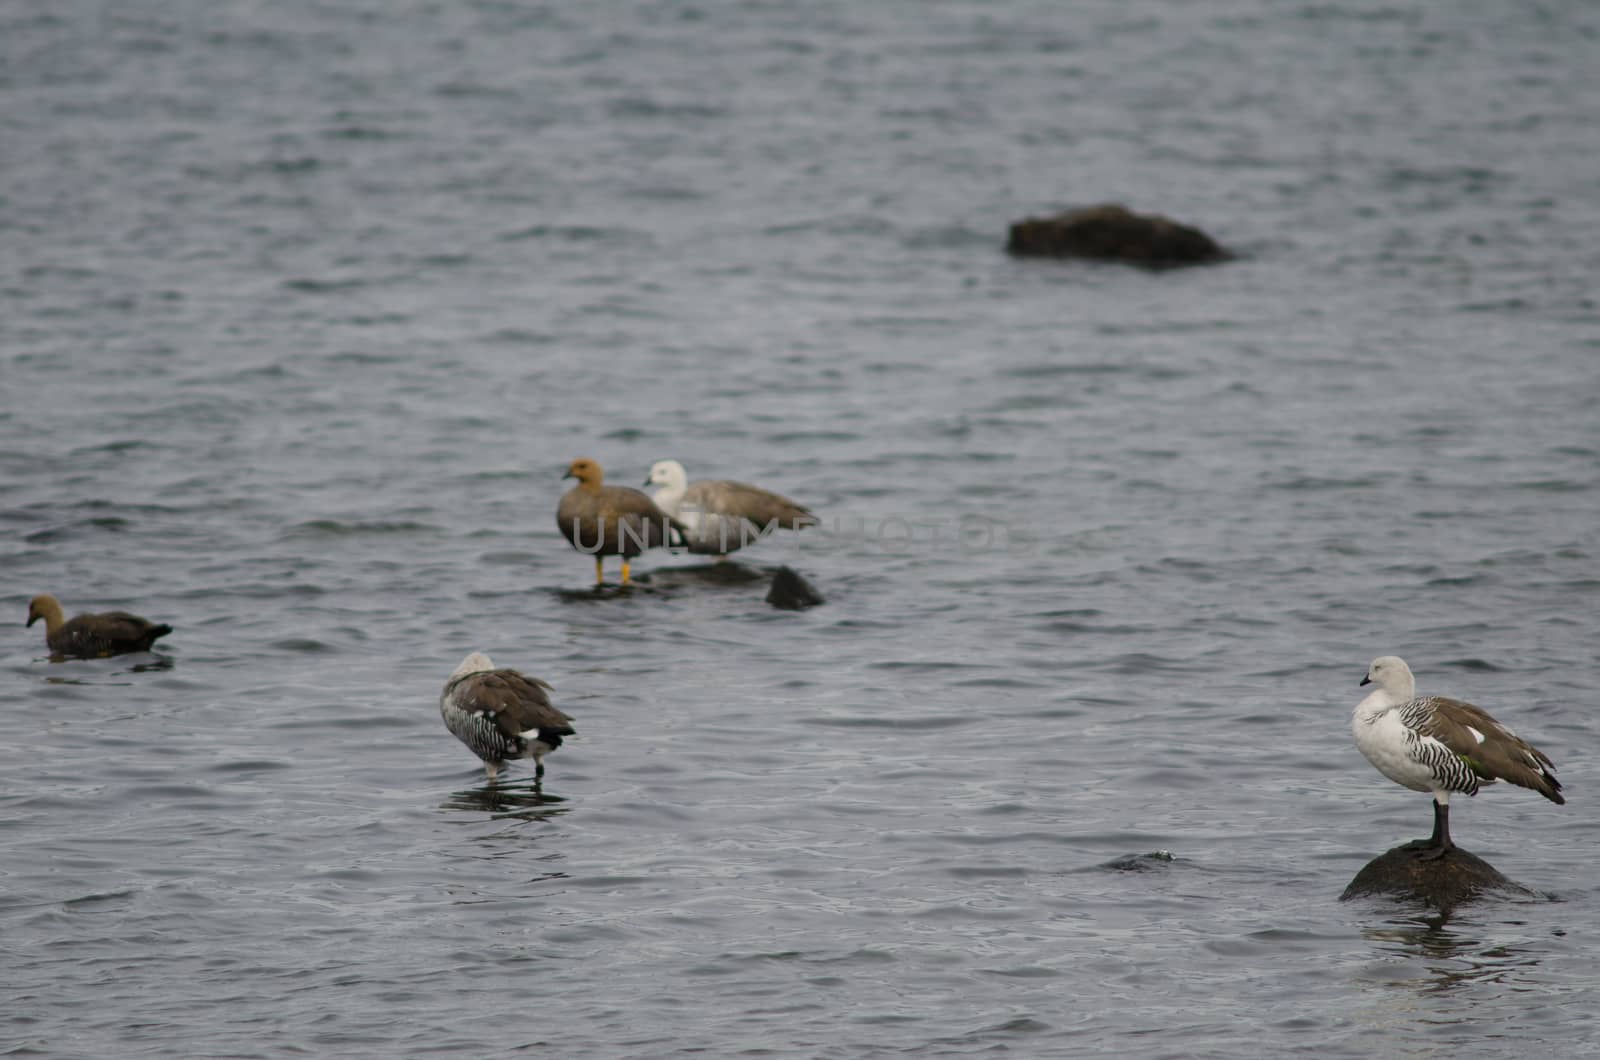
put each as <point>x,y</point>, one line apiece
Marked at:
<point>93,636</point>
<point>603,520</point>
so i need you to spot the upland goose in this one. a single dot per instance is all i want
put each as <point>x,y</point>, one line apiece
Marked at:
<point>501,714</point>
<point>603,520</point>
<point>1442,746</point>
<point>93,636</point>
<point>719,515</point>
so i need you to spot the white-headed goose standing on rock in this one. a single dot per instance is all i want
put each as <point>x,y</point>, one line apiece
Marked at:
<point>501,714</point>
<point>1440,745</point>
<point>93,636</point>
<point>721,516</point>
<point>609,520</point>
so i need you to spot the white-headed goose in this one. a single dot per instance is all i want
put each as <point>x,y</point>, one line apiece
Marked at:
<point>720,516</point>
<point>1442,746</point>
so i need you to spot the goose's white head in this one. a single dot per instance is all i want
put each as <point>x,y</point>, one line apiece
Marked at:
<point>477,662</point>
<point>669,475</point>
<point>1390,673</point>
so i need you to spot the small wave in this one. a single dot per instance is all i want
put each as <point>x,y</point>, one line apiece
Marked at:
<point>71,530</point>
<point>337,528</point>
<point>927,724</point>
<point>303,645</point>
<point>643,107</point>
<point>576,234</point>
<point>1553,485</point>
<point>307,285</point>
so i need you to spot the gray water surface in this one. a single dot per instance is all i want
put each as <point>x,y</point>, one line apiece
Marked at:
<point>307,306</point>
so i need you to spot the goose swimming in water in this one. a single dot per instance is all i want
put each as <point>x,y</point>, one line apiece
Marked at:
<point>93,636</point>
<point>1443,746</point>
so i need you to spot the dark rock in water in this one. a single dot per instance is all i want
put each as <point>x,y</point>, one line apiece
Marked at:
<point>1114,233</point>
<point>728,572</point>
<point>1443,882</point>
<point>1156,859</point>
<point>790,592</point>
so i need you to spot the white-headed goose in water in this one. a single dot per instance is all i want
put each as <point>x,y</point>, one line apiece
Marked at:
<point>719,515</point>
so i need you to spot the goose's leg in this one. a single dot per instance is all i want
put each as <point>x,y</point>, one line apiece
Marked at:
<point>1439,844</point>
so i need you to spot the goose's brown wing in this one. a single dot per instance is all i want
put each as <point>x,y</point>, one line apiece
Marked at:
<point>1493,751</point>
<point>518,703</point>
<point>621,520</point>
<point>108,633</point>
<point>743,501</point>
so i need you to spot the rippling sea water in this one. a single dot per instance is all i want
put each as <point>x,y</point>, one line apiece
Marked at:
<point>308,305</point>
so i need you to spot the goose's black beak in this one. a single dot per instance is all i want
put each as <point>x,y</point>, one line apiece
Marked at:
<point>1365,681</point>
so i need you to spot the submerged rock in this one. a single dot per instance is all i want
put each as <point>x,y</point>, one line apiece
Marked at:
<point>790,592</point>
<point>1156,859</point>
<point>728,572</point>
<point>1443,882</point>
<point>1114,233</point>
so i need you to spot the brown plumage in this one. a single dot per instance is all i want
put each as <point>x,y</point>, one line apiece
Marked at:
<point>606,520</point>
<point>93,636</point>
<point>1503,755</point>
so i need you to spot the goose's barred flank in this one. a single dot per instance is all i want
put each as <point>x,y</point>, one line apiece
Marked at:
<point>1449,771</point>
<point>481,732</point>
